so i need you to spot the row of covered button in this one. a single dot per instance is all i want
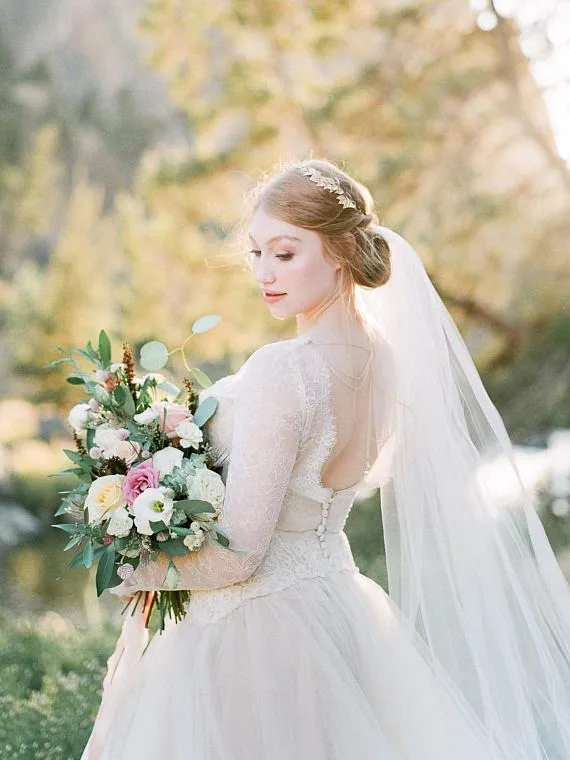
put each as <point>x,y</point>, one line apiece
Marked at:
<point>322,526</point>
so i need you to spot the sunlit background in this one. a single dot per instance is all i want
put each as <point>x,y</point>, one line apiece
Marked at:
<point>130,132</point>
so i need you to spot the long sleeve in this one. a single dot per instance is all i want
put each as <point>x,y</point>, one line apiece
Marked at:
<point>268,420</point>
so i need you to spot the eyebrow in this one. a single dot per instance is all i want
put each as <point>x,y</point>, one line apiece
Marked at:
<point>278,237</point>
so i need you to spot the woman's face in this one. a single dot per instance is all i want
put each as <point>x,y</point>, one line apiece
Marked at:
<point>289,260</point>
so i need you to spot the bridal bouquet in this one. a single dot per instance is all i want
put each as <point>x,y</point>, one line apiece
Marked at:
<point>145,466</point>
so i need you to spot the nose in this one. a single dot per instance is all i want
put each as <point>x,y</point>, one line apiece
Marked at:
<point>264,274</point>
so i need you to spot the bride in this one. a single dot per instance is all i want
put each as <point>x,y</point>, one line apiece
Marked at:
<point>287,651</point>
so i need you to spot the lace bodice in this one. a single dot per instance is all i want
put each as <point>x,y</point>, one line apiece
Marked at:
<point>272,433</point>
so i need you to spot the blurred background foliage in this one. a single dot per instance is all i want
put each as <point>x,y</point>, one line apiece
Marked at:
<point>129,135</point>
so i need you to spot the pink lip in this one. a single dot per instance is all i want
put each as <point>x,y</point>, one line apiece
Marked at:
<point>269,298</point>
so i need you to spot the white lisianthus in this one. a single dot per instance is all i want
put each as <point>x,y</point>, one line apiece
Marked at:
<point>143,526</point>
<point>189,433</point>
<point>145,418</point>
<point>207,486</point>
<point>105,496</point>
<point>78,417</point>
<point>165,460</point>
<point>120,523</point>
<point>151,505</point>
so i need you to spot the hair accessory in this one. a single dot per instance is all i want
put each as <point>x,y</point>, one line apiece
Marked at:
<point>330,184</point>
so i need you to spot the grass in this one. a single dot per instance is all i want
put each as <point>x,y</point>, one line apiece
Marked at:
<point>50,688</point>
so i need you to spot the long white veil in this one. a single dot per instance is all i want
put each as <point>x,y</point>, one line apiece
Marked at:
<point>468,560</point>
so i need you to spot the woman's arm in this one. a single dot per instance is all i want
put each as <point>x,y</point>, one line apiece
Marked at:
<point>268,419</point>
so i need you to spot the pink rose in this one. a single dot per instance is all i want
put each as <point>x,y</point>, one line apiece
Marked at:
<point>138,479</point>
<point>175,414</point>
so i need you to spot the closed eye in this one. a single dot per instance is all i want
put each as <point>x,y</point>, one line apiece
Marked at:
<point>283,256</point>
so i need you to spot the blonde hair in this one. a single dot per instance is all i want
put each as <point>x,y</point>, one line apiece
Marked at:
<point>349,235</point>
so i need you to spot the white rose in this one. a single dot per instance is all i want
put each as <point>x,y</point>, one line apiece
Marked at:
<point>120,523</point>
<point>78,417</point>
<point>189,433</point>
<point>165,460</point>
<point>127,450</point>
<point>106,436</point>
<point>105,496</point>
<point>206,485</point>
<point>146,417</point>
<point>151,505</point>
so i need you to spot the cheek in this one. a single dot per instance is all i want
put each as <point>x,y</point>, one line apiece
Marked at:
<point>310,274</point>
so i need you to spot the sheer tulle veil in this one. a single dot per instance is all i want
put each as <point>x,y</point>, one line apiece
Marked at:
<point>468,560</point>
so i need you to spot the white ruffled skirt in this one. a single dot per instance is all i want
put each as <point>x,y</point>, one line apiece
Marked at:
<point>321,670</point>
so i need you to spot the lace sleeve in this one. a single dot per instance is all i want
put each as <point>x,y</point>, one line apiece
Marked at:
<point>265,440</point>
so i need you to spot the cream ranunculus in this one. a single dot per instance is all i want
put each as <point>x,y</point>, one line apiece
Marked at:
<point>190,434</point>
<point>151,505</point>
<point>206,485</point>
<point>104,497</point>
<point>120,523</point>
<point>165,460</point>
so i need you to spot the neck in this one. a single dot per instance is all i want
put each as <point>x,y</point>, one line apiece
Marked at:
<point>333,323</point>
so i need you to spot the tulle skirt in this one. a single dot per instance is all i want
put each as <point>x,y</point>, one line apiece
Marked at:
<point>322,670</point>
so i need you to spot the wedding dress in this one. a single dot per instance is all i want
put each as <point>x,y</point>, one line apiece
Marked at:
<point>287,652</point>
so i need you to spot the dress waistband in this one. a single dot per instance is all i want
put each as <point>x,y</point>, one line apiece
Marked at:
<point>291,557</point>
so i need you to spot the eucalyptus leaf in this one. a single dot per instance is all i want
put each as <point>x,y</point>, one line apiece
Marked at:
<point>181,531</point>
<point>120,394</point>
<point>104,349</point>
<point>222,539</point>
<point>205,410</point>
<point>170,388</point>
<point>75,456</point>
<point>205,323</point>
<point>88,554</point>
<point>153,355</point>
<point>77,561</point>
<point>102,395</point>
<point>174,547</point>
<point>157,525</point>
<point>73,541</point>
<point>86,354</point>
<point>65,527</point>
<point>75,380</point>
<point>190,506</point>
<point>129,403</point>
<point>105,569</point>
<point>201,377</point>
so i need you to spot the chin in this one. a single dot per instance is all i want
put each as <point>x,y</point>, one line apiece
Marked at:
<point>280,313</point>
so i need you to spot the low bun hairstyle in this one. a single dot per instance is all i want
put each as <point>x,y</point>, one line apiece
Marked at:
<point>350,236</point>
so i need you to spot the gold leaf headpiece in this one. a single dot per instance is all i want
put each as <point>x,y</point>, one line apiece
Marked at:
<point>330,184</point>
